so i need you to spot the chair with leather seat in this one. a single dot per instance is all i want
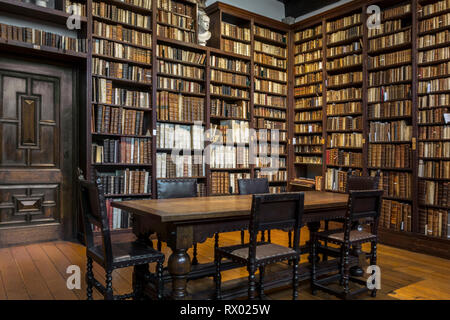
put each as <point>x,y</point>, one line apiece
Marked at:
<point>253,186</point>
<point>177,188</point>
<point>269,211</point>
<point>362,205</point>
<point>109,255</point>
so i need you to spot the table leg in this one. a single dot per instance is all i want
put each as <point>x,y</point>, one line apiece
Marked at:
<point>312,227</point>
<point>179,266</point>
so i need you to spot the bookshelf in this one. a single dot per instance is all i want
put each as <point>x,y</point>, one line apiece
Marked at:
<point>121,110</point>
<point>433,92</point>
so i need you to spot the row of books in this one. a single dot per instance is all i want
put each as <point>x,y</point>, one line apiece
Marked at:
<point>112,120</point>
<point>234,31</point>
<point>307,128</point>
<point>221,108</point>
<point>308,46</point>
<point>180,70</point>
<point>272,162</point>
<point>226,182</point>
<point>124,150</point>
<point>434,132</point>
<point>433,55</point>
<point>434,149</point>
<point>176,136</point>
<point>269,100</point>
<point>434,169</point>
<point>396,184</point>
<point>438,70</point>
<point>103,91</point>
<point>117,218</point>
<point>434,222</point>
<point>122,51</point>
<point>343,22</point>
<point>434,8</point>
<point>41,38</point>
<point>269,34</point>
<point>308,68</point>
<point>229,64</point>
<point>230,132</point>
<point>388,76</point>
<point>228,157</point>
<point>117,14</point>
<point>173,19</point>
<point>179,166</point>
<point>389,156</point>
<point>391,40</point>
<point>269,60</point>
<point>396,215</point>
<point>272,176</point>
<point>305,149</point>
<point>390,131</point>
<point>345,78</point>
<point>308,57</point>
<point>336,179</point>
<point>269,149</point>
<point>434,23</point>
<point>176,107</point>
<point>229,78</point>
<point>396,11</point>
<point>175,33</point>
<point>270,86</point>
<point>429,40</point>
<point>174,53</point>
<point>388,93</point>
<point>269,113</point>
<point>346,34</point>
<point>387,27</point>
<point>434,193</point>
<point>346,123</point>
<point>347,61</point>
<point>344,108</point>
<point>307,140</point>
<point>271,74</point>
<point>270,49</point>
<point>345,140</point>
<point>180,85</point>
<point>126,182</point>
<point>390,109</point>
<point>75,8</point>
<point>118,70</point>
<point>352,48</point>
<point>388,59</point>
<point>434,100</point>
<point>308,116</point>
<point>434,85</point>
<point>121,33</point>
<point>432,115</point>
<point>344,94</point>
<point>235,47</point>
<point>184,8</point>
<point>338,157</point>
<point>308,33</point>
<point>229,91</point>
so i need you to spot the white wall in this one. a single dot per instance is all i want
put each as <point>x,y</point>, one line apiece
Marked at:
<point>270,8</point>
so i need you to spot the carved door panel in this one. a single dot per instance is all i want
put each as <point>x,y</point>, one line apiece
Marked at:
<point>35,104</point>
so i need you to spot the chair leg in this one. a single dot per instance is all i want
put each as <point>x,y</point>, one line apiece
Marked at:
<point>194,256</point>
<point>159,274</point>
<point>341,266</point>
<point>295,280</point>
<point>373,261</point>
<point>109,290</point>
<point>159,244</point>
<point>89,279</point>
<point>263,237</point>
<point>268,237</point>
<point>346,277</point>
<point>324,255</point>
<point>313,264</point>
<point>251,282</point>
<point>218,278</point>
<point>261,282</point>
<point>242,236</point>
<point>290,239</point>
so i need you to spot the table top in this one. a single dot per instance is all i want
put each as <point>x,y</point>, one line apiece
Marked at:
<point>185,209</point>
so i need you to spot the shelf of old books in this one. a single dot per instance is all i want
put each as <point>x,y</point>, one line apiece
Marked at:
<point>433,102</point>
<point>180,111</point>
<point>390,123</point>
<point>308,102</point>
<point>344,98</point>
<point>177,20</point>
<point>270,102</point>
<point>121,112</point>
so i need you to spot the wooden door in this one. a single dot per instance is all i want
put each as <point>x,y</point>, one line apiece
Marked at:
<point>36,144</point>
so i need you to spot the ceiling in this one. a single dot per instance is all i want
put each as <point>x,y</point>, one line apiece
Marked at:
<point>296,8</point>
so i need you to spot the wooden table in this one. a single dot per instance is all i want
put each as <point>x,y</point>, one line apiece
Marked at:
<point>182,222</point>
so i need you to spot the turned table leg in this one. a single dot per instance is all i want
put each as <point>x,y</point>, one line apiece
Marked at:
<point>179,267</point>
<point>312,227</point>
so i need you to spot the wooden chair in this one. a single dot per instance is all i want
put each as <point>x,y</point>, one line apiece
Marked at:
<point>253,186</point>
<point>269,211</point>
<point>108,255</point>
<point>177,188</point>
<point>365,204</point>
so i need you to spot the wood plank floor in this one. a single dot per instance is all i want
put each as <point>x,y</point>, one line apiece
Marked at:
<point>38,271</point>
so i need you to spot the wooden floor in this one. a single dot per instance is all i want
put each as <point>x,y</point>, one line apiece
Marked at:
<point>38,271</point>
